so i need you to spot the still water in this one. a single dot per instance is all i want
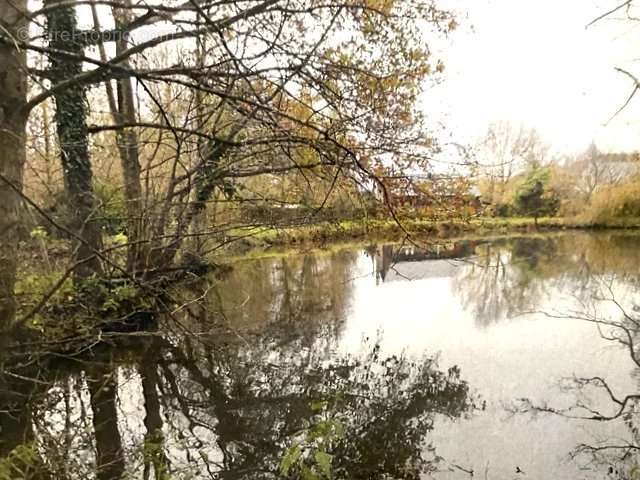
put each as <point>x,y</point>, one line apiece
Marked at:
<point>467,359</point>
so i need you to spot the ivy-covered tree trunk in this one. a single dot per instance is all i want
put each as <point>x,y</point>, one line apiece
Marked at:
<point>13,88</point>
<point>71,124</point>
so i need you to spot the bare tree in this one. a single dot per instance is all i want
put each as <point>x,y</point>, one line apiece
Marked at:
<point>123,111</point>
<point>326,91</point>
<point>592,170</point>
<point>621,327</point>
<point>507,150</point>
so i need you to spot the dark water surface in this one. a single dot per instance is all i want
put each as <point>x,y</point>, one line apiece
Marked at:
<point>381,362</point>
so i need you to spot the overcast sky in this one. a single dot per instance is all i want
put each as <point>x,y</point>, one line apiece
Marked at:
<point>535,62</point>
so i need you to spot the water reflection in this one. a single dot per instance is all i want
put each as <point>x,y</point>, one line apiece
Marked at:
<point>506,278</point>
<point>295,296</point>
<point>295,363</point>
<point>568,276</point>
<point>210,407</point>
<point>499,279</point>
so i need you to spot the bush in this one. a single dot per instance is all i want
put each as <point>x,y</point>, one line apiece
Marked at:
<point>614,201</point>
<point>111,213</point>
<point>504,210</point>
<point>112,208</point>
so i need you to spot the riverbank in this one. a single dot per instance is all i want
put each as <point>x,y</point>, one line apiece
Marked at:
<point>322,234</point>
<point>41,260</point>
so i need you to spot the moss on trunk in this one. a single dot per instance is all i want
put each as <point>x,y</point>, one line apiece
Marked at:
<point>71,124</point>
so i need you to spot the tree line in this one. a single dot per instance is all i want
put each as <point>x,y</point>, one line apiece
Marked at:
<point>177,112</point>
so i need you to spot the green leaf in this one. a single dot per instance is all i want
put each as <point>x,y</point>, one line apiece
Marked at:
<point>39,233</point>
<point>318,405</point>
<point>308,474</point>
<point>291,458</point>
<point>324,460</point>
<point>338,429</point>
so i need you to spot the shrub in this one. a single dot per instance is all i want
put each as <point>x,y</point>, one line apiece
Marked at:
<point>112,208</point>
<point>504,210</point>
<point>111,212</point>
<point>615,201</point>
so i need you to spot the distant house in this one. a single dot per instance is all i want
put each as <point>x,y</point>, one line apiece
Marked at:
<point>621,165</point>
<point>422,191</point>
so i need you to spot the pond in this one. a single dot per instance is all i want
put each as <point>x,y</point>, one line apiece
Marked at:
<point>495,358</point>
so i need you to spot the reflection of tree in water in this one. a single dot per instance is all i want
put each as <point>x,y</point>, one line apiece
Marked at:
<point>298,294</point>
<point>610,308</point>
<point>499,279</point>
<point>171,404</point>
<point>384,405</point>
<point>206,411</point>
<point>504,278</point>
<point>215,405</point>
<point>511,276</point>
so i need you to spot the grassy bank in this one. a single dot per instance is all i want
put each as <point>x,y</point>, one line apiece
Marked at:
<point>388,230</point>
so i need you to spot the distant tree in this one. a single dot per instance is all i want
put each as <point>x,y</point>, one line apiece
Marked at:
<point>593,169</point>
<point>532,198</point>
<point>593,174</point>
<point>506,150</point>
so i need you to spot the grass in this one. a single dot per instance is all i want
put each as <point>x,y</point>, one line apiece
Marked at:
<point>325,233</point>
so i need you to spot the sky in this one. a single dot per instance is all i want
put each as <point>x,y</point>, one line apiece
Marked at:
<point>534,62</point>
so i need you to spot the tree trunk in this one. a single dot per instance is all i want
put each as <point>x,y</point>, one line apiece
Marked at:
<point>206,181</point>
<point>123,111</point>
<point>71,124</point>
<point>101,380</point>
<point>199,225</point>
<point>154,438</point>
<point>16,425</point>
<point>136,259</point>
<point>13,85</point>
